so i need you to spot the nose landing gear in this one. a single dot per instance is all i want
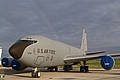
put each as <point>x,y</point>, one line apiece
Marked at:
<point>36,73</point>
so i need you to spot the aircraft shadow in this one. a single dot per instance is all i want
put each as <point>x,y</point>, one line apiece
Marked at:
<point>11,72</point>
<point>29,70</point>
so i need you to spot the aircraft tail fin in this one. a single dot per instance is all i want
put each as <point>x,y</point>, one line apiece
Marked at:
<point>84,41</point>
<point>0,54</point>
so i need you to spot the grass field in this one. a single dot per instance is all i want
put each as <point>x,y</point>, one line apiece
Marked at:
<point>1,73</point>
<point>96,64</point>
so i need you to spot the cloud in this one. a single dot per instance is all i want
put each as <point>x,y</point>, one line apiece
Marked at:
<point>61,20</point>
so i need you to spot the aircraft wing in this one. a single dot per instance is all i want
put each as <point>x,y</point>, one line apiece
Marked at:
<point>97,52</point>
<point>72,59</point>
<point>115,55</point>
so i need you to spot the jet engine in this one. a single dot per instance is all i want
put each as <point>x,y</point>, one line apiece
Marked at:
<point>6,62</point>
<point>17,65</point>
<point>107,62</point>
<point>10,62</point>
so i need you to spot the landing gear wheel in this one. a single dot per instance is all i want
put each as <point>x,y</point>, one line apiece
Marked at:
<point>33,74</point>
<point>81,68</point>
<point>84,68</point>
<point>67,68</point>
<point>36,73</point>
<point>56,69</point>
<point>51,69</point>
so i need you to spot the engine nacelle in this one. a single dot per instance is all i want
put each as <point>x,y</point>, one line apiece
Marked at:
<point>107,62</point>
<point>17,65</point>
<point>6,62</point>
<point>10,62</point>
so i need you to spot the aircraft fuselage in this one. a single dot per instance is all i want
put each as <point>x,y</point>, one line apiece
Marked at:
<point>44,52</point>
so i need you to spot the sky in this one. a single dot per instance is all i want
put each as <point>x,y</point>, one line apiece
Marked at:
<point>61,20</point>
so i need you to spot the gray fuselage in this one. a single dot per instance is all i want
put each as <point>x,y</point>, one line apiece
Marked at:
<point>46,52</point>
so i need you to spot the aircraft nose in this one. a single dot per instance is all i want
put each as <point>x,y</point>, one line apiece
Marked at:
<point>17,49</point>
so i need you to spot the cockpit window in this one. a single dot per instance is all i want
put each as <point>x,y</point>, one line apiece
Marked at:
<point>28,41</point>
<point>18,48</point>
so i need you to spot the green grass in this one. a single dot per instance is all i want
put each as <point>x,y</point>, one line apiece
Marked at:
<point>96,64</point>
<point>1,71</point>
<point>117,64</point>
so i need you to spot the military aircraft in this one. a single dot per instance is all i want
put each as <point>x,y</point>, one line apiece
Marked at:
<point>41,52</point>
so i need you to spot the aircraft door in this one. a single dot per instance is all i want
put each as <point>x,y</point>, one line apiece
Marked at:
<point>39,60</point>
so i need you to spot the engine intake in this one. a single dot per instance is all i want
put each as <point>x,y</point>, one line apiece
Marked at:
<point>107,62</point>
<point>10,62</point>
<point>17,65</point>
<point>6,62</point>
